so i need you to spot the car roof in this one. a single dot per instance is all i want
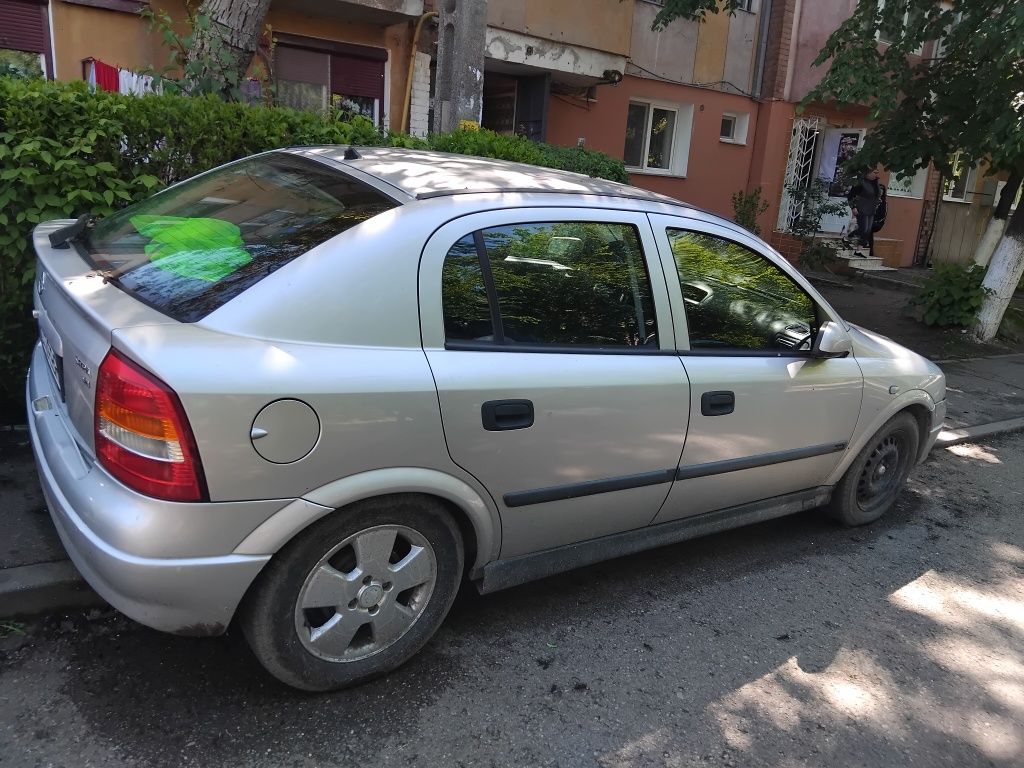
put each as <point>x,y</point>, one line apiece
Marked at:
<point>421,175</point>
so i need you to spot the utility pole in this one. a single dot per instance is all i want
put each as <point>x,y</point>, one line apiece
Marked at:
<point>459,87</point>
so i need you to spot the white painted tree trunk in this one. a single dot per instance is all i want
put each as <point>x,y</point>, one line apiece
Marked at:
<point>1002,277</point>
<point>989,241</point>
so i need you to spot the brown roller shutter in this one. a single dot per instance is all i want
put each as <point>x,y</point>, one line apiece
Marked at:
<point>301,65</point>
<point>352,76</point>
<point>23,25</point>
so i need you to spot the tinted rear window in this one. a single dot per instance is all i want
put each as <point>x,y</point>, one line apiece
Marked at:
<point>191,248</point>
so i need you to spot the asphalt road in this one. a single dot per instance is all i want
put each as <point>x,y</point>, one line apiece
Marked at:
<point>792,643</point>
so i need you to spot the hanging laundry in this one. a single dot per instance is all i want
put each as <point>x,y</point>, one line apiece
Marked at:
<point>134,83</point>
<point>106,77</point>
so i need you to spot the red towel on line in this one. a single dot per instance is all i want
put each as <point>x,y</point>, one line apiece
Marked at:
<point>106,77</point>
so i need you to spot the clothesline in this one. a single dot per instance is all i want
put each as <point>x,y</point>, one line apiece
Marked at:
<point>106,77</point>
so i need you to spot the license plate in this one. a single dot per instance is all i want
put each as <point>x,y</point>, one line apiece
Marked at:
<point>56,363</point>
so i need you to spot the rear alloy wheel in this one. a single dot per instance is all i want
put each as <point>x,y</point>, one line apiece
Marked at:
<point>875,478</point>
<point>356,594</point>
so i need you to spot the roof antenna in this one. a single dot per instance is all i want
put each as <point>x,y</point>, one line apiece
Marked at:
<point>351,154</point>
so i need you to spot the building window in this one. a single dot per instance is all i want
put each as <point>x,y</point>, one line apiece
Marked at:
<point>750,6</point>
<point>908,186</point>
<point>940,44</point>
<point>658,137</point>
<point>24,39</point>
<point>894,24</point>
<point>21,64</point>
<point>734,127</point>
<point>314,77</point>
<point>960,187</point>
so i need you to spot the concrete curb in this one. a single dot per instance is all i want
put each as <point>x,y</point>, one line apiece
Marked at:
<point>43,588</point>
<point>970,434</point>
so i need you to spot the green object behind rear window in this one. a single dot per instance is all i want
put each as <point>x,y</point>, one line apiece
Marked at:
<point>197,248</point>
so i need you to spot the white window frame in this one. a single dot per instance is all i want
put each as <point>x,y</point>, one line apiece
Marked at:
<point>918,183</point>
<point>969,186</point>
<point>906,20</point>
<point>740,127</point>
<point>679,143</point>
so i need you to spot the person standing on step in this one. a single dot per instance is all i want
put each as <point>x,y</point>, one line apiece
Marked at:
<point>864,197</point>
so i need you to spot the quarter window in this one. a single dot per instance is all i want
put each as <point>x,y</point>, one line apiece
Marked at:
<point>467,312</point>
<point>737,300</point>
<point>560,284</point>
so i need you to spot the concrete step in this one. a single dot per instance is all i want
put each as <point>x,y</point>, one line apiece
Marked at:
<point>869,266</point>
<point>862,263</point>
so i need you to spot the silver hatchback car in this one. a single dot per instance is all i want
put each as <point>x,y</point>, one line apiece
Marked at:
<point>316,389</point>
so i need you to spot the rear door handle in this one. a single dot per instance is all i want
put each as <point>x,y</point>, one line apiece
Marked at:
<point>717,403</point>
<point>499,415</point>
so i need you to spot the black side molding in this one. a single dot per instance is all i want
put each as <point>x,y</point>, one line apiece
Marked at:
<point>501,574</point>
<point>760,460</point>
<point>589,488</point>
<point>626,482</point>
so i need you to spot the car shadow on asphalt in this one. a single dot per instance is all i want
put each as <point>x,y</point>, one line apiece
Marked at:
<point>791,640</point>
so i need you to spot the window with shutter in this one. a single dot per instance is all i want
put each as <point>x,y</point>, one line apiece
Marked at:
<point>24,38</point>
<point>311,71</point>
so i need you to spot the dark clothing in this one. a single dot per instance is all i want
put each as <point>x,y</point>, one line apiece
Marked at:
<point>865,231</point>
<point>864,196</point>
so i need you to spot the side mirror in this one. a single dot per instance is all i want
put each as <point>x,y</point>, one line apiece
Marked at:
<point>832,341</point>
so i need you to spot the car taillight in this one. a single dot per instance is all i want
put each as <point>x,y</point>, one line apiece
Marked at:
<point>142,435</point>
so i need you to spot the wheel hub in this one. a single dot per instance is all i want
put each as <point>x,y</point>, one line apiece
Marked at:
<point>370,595</point>
<point>880,474</point>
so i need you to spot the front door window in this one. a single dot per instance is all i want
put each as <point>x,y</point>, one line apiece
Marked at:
<point>737,300</point>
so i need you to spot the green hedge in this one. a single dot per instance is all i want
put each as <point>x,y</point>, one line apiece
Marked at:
<point>64,152</point>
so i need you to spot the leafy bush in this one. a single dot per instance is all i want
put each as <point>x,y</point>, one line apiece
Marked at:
<point>746,207</point>
<point>951,296</point>
<point>813,204</point>
<point>65,152</point>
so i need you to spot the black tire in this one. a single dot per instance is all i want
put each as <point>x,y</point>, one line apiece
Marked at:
<point>271,619</point>
<point>875,478</point>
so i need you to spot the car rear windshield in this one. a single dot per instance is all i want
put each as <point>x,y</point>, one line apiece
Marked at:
<point>193,247</point>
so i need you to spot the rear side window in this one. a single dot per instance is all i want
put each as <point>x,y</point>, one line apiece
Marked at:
<point>194,247</point>
<point>565,284</point>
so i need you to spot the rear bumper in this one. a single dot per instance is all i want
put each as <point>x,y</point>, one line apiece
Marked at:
<point>193,595</point>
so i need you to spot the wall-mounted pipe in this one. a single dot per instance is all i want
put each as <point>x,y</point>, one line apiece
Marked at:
<point>404,126</point>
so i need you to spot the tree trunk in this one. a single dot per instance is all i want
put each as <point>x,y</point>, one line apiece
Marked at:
<point>1002,277</point>
<point>997,224</point>
<point>235,27</point>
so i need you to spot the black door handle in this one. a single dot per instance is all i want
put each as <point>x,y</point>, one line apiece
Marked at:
<point>717,403</point>
<point>498,415</point>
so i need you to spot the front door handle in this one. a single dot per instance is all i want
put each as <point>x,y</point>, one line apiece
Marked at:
<point>499,415</point>
<point>717,403</point>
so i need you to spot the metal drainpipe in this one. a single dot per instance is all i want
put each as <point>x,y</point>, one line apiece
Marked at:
<point>762,47</point>
<point>412,63</point>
